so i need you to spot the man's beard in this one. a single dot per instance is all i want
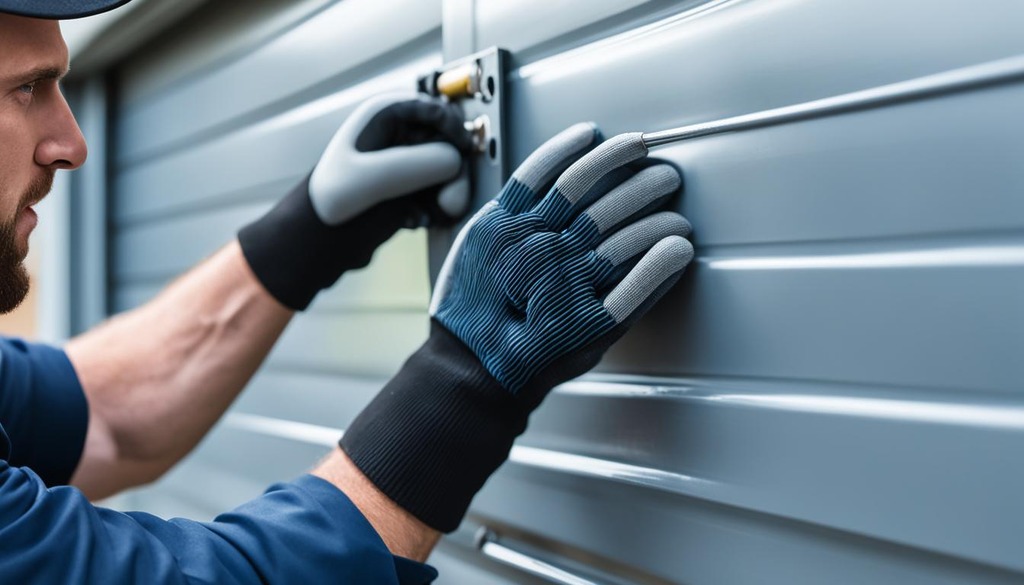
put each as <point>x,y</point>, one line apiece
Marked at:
<point>14,280</point>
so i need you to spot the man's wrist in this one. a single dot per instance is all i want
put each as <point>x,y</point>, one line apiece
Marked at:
<point>295,255</point>
<point>281,247</point>
<point>436,432</point>
<point>403,533</point>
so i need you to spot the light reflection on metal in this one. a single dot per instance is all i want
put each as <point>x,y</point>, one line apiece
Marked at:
<point>284,429</point>
<point>965,414</point>
<point>488,545</point>
<point>612,470</point>
<point>989,417</point>
<point>967,256</point>
<point>953,81</point>
<point>529,456</point>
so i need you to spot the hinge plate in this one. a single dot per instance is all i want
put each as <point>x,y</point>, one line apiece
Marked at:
<point>477,84</point>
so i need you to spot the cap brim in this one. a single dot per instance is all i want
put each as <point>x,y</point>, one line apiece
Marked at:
<point>59,9</point>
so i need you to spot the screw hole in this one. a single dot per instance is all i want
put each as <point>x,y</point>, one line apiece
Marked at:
<point>490,85</point>
<point>492,148</point>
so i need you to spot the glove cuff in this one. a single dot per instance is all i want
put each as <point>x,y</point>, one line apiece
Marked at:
<point>436,432</point>
<point>295,255</point>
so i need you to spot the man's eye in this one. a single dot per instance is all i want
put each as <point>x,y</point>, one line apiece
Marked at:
<point>27,88</point>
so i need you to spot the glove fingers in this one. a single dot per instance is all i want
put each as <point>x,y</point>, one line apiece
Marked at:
<point>368,116</point>
<point>444,277</point>
<point>649,279</point>
<point>407,169</point>
<point>401,119</point>
<point>628,200</point>
<point>539,170</point>
<point>612,256</point>
<point>374,177</point>
<point>432,120</point>
<point>563,203</point>
<point>453,199</point>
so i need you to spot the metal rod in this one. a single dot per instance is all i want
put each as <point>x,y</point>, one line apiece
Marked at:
<point>953,81</point>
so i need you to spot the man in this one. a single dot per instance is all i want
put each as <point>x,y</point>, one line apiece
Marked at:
<point>537,286</point>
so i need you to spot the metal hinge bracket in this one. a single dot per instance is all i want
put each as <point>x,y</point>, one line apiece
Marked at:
<point>477,84</point>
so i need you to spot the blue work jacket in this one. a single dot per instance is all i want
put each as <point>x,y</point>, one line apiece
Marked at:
<point>304,531</point>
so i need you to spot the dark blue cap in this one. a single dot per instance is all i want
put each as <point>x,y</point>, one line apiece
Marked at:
<point>59,9</point>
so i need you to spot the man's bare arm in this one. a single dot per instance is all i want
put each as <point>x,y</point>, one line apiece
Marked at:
<point>157,378</point>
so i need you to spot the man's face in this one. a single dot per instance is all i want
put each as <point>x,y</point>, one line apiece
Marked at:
<point>38,135</point>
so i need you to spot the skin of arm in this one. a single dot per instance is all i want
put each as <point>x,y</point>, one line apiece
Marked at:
<point>157,378</point>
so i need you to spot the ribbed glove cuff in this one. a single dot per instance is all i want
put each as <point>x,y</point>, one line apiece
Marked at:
<point>436,432</point>
<point>295,255</point>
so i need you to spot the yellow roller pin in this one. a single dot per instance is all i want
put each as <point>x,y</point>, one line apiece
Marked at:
<point>460,82</point>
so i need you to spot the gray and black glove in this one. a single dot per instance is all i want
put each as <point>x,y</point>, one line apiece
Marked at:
<point>534,291</point>
<point>385,169</point>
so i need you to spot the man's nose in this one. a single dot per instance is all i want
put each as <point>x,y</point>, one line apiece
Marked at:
<point>62,145</point>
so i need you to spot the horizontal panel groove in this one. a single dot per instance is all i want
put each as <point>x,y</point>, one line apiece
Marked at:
<point>238,53</point>
<point>696,385</point>
<point>1003,417</point>
<point>992,249</point>
<point>608,29</point>
<point>973,256</point>
<point>996,237</point>
<point>696,488</point>
<point>665,481</point>
<point>476,529</point>
<point>994,414</point>
<point>724,410</point>
<point>363,72</point>
<point>951,82</point>
<point>529,456</point>
<point>259,193</point>
<point>780,527</point>
<point>283,366</point>
<point>284,429</point>
<point>553,461</point>
<point>418,309</point>
<point>287,145</point>
<point>346,35</point>
<point>945,253</point>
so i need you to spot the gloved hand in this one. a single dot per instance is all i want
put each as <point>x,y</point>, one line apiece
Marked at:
<point>384,169</point>
<point>533,292</point>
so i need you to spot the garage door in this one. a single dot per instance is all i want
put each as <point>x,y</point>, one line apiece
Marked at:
<point>833,394</point>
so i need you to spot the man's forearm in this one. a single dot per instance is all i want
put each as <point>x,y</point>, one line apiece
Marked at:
<point>157,378</point>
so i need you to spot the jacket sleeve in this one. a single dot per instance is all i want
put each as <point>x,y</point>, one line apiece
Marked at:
<point>304,531</point>
<point>42,409</point>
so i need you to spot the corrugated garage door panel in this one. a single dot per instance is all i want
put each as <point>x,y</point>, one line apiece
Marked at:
<point>216,122</point>
<point>832,395</point>
<point>318,54</point>
<point>268,155</point>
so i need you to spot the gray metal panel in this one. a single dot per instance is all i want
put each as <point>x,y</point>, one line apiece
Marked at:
<point>838,398</point>
<point>839,395</point>
<point>396,279</point>
<point>329,47</point>
<point>89,295</point>
<point>928,471</point>
<point>216,120</point>
<point>252,160</point>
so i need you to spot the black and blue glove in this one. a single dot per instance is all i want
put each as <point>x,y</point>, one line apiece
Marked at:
<point>533,292</point>
<point>386,168</point>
